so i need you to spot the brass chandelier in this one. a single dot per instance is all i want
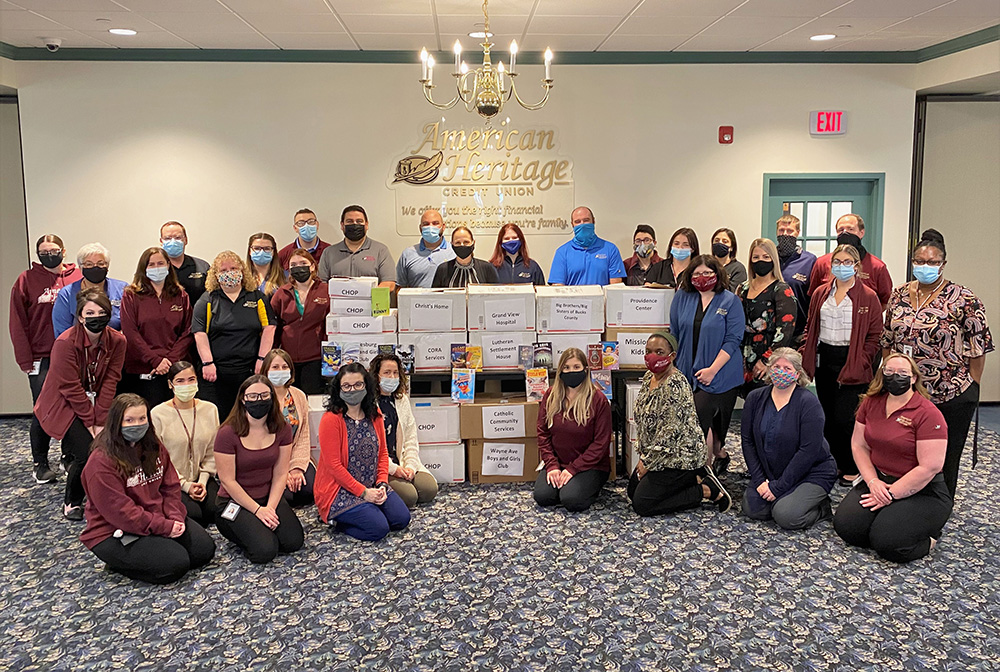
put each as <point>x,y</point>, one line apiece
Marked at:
<point>486,88</point>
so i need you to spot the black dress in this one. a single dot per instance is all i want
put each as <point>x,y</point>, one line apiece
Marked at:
<point>770,324</point>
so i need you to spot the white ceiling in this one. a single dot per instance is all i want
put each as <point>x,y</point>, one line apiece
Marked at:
<point>564,25</point>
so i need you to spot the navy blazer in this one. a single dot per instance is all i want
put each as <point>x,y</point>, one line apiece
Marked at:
<point>722,329</point>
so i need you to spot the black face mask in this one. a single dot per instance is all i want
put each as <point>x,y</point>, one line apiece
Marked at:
<point>258,409</point>
<point>721,250</point>
<point>463,251</point>
<point>354,232</point>
<point>95,275</point>
<point>96,324</point>
<point>573,378</point>
<point>896,384</point>
<point>300,273</point>
<point>762,267</point>
<point>51,260</point>
<point>787,246</point>
<point>847,238</point>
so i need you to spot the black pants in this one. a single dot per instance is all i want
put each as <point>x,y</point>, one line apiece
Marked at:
<point>304,497</point>
<point>39,439</point>
<point>260,543</point>
<point>155,390</point>
<point>839,402</point>
<point>159,559</point>
<point>309,377</point>
<point>578,495</point>
<point>223,390</point>
<point>202,512</point>
<point>75,451</point>
<point>900,532</point>
<point>958,414</point>
<point>715,411</point>
<point>664,491</point>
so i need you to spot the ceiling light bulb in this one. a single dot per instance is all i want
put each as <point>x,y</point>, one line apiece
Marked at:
<point>822,38</point>
<point>121,31</point>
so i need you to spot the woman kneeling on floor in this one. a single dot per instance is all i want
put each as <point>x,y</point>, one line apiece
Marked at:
<point>791,468</point>
<point>136,522</point>
<point>671,474</point>
<point>352,478</point>
<point>899,444</point>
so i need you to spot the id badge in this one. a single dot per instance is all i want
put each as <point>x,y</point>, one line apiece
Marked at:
<point>36,367</point>
<point>908,350</point>
<point>230,511</point>
<point>93,398</point>
<point>145,376</point>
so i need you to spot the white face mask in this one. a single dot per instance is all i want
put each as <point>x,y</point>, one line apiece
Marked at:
<point>279,378</point>
<point>388,385</point>
<point>186,393</point>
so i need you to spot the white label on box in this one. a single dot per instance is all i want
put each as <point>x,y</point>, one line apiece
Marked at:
<point>445,462</point>
<point>507,315</point>
<point>430,315</point>
<point>632,349</point>
<point>503,422</point>
<point>360,325</point>
<point>503,459</point>
<point>351,287</point>
<point>351,307</point>
<point>432,426</point>
<point>501,350</point>
<point>640,308</point>
<point>570,315</point>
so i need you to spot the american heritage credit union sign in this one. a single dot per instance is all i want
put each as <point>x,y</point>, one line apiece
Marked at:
<point>484,178</point>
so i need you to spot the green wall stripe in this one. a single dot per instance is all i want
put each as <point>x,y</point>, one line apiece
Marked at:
<point>976,39</point>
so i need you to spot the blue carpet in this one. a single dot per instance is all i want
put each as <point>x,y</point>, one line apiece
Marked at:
<point>483,579</point>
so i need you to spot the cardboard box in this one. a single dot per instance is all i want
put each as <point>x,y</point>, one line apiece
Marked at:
<point>499,420</point>
<point>569,309</point>
<point>637,306</point>
<point>500,349</point>
<point>509,461</point>
<point>631,345</point>
<point>431,351</point>
<point>384,324</point>
<point>495,308</point>
<point>434,310</point>
<point>438,420</point>
<point>560,342</point>
<point>368,342</point>
<point>317,408</point>
<point>445,461</point>
<point>341,307</point>
<point>351,288</point>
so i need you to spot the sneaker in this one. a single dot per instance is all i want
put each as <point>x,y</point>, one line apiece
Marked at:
<point>73,512</point>
<point>43,474</point>
<point>717,493</point>
<point>721,465</point>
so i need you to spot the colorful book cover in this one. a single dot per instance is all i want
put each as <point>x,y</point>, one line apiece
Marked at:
<point>386,349</point>
<point>474,357</point>
<point>543,356</point>
<point>331,359</point>
<point>609,355</point>
<point>525,357</point>
<point>350,353</point>
<point>458,355</point>
<point>603,380</point>
<point>536,383</point>
<point>380,301</point>
<point>463,386</point>
<point>594,357</point>
<point>405,354</point>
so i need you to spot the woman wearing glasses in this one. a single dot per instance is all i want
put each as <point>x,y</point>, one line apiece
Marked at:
<point>942,325</point>
<point>93,260</point>
<point>262,259</point>
<point>252,452</point>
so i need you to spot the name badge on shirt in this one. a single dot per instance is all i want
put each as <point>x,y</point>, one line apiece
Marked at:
<point>250,304</point>
<point>116,302</point>
<point>368,258</point>
<point>799,277</point>
<point>196,275</point>
<point>230,511</point>
<point>908,350</point>
<point>722,311</point>
<point>600,255</point>
<point>176,309</point>
<point>93,398</point>
<point>145,376</point>
<point>35,367</point>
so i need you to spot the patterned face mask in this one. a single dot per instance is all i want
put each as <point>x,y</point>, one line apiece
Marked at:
<point>231,278</point>
<point>782,379</point>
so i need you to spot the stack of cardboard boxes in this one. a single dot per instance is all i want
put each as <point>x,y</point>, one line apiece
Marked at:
<point>633,313</point>
<point>501,319</point>
<point>502,443</point>
<point>431,320</point>
<point>359,313</point>
<point>569,317</point>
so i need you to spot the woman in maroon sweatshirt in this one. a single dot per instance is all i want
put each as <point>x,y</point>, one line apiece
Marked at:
<point>574,435</point>
<point>73,404</point>
<point>136,521</point>
<point>156,320</point>
<point>300,308</point>
<point>31,302</point>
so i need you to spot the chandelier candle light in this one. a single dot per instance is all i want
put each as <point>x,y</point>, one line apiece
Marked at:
<point>484,89</point>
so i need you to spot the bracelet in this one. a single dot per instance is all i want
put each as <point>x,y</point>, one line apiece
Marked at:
<point>208,363</point>
<point>258,509</point>
<point>260,359</point>
<point>892,497</point>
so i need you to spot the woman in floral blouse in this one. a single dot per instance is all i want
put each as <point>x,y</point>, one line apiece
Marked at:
<point>770,309</point>
<point>671,474</point>
<point>942,325</point>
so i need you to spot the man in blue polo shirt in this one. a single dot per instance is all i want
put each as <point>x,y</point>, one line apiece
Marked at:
<point>587,259</point>
<point>417,264</point>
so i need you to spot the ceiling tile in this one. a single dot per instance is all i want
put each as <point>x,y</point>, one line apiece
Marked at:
<point>496,7</point>
<point>899,9</point>
<point>705,42</point>
<point>248,40</point>
<point>397,7</point>
<point>499,25</point>
<point>585,7</point>
<point>201,6</point>
<point>753,27</point>
<point>988,10</point>
<point>70,38</point>
<point>403,42</point>
<point>388,23</point>
<point>329,41</point>
<point>659,42</point>
<point>283,6</point>
<point>801,43</point>
<point>668,25</point>
<point>540,41</point>
<point>573,25</point>
<point>144,40</point>
<point>87,21</point>
<point>9,7</point>
<point>933,24</point>
<point>713,8</point>
<point>198,22</point>
<point>23,20</point>
<point>284,22</point>
<point>82,5</point>
<point>797,8</point>
<point>845,26</point>
<point>886,43</point>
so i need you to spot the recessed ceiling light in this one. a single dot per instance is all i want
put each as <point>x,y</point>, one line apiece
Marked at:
<point>121,31</point>
<point>480,35</point>
<point>822,38</point>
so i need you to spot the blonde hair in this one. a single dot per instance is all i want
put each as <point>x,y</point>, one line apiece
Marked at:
<point>772,252</point>
<point>790,219</point>
<point>275,276</point>
<point>212,278</point>
<point>793,357</point>
<point>579,410</point>
<point>876,387</point>
<point>849,250</point>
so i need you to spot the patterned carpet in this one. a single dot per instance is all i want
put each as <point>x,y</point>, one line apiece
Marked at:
<point>484,580</point>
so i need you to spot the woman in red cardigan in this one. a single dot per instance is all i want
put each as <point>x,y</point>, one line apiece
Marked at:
<point>352,480</point>
<point>85,368</point>
<point>841,341</point>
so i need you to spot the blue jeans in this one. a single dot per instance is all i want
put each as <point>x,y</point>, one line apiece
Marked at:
<point>371,522</point>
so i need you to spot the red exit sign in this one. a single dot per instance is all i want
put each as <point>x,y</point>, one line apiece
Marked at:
<point>828,122</point>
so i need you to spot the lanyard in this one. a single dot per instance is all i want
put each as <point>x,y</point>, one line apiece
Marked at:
<point>91,368</point>
<point>188,434</point>
<point>918,305</point>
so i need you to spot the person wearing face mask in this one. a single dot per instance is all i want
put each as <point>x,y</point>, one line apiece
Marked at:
<point>900,437</point>
<point>796,265</point>
<point>191,271</point>
<point>352,479</point>
<point>85,367</point>
<point>136,522</point>
<point>574,432</point>
<point>683,248</point>
<point>637,266</point>
<point>156,320</point>
<point>407,475</point>
<point>670,475</point>
<point>300,307</point>
<point>791,469</point>
<point>418,264</point>
<point>943,326</point>
<point>187,428</point>
<point>306,238</point>
<point>841,343</point>
<point>587,259</point>
<point>93,259</point>
<point>233,327</point>
<point>851,231</point>
<point>262,259</point>
<point>464,269</point>
<point>31,301</point>
<point>280,370</point>
<point>357,254</point>
<point>510,258</point>
<point>252,453</point>
<point>769,308</point>
<point>724,249</point>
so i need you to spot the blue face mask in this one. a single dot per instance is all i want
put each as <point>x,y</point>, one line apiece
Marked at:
<point>844,272</point>
<point>430,234</point>
<point>261,258</point>
<point>680,253</point>
<point>174,247</point>
<point>307,232</point>
<point>511,246</point>
<point>926,275</point>
<point>583,234</point>
<point>158,274</point>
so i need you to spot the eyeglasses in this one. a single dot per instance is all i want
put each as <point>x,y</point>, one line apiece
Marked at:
<point>353,221</point>
<point>896,372</point>
<point>262,249</point>
<point>841,262</point>
<point>303,222</point>
<point>932,262</point>
<point>257,396</point>
<point>709,274</point>
<point>347,387</point>
<point>639,241</point>
<point>102,264</point>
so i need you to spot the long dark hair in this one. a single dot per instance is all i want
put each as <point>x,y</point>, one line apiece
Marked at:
<point>499,253</point>
<point>376,365</point>
<point>238,416</point>
<point>369,405</point>
<point>143,286</point>
<point>692,239</point>
<point>128,458</point>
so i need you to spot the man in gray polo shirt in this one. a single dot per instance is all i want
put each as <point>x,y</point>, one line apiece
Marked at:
<point>357,254</point>
<point>417,264</point>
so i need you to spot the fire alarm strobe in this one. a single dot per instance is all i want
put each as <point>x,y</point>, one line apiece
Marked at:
<point>725,135</point>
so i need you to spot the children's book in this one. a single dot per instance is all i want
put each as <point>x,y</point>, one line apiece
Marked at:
<point>405,354</point>
<point>474,357</point>
<point>350,353</point>
<point>386,349</point>
<point>536,383</point>
<point>458,356</point>
<point>380,301</point>
<point>463,386</point>
<point>331,359</point>
<point>603,380</point>
<point>525,357</point>
<point>609,355</point>
<point>594,357</point>
<point>543,356</point>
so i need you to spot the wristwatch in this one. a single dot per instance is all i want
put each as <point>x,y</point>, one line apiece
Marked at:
<point>891,496</point>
